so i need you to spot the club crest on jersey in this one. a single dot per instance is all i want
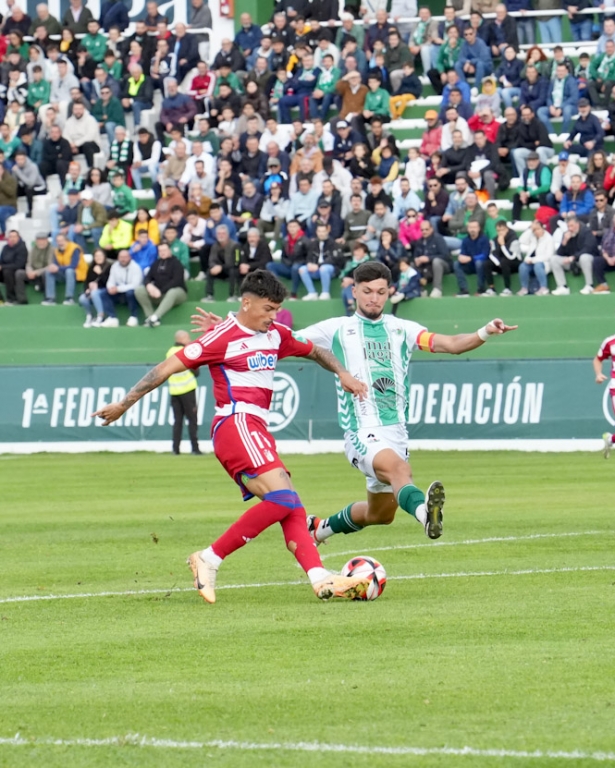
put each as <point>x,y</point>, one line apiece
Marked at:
<point>262,362</point>
<point>193,351</point>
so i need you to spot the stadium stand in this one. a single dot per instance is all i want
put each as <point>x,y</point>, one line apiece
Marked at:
<point>110,117</point>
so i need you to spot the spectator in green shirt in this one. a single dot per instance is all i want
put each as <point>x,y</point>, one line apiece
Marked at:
<point>38,89</point>
<point>178,248</point>
<point>8,145</point>
<point>123,200</point>
<point>94,41</point>
<point>324,93</point>
<point>111,65</point>
<point>377,101</point>
<point>109,112</point>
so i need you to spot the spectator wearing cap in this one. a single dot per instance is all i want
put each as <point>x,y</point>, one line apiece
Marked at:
<point>172,198</point>
<point>561,178</point>
<point>29,179</point>
<point>562,99</point>
<point>82,133</point>
<point>91,219</point>
<point>535,185</point>
<point>13,259</point>
<point>344,142</point>
<point>333,221</point>
<point>275,175</point>
<point>40,256</point>
<point>474,57</point>
<point>67,266</point>
<point>123,198</point>
<point>137,92</point>
<point>116,234</point>
<point>352,93</point>
<point>587,134</point>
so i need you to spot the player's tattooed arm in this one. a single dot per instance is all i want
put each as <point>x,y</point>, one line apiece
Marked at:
<point>329,362</point>
<point>150,381</point>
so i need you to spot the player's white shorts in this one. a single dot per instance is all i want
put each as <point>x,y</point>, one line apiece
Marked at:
<point>361,448</point>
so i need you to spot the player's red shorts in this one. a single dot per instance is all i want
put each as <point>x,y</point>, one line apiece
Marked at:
<point>244,447</point>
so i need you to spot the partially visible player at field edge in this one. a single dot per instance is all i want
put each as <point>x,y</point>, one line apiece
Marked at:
<point>606,351</point>
<point>242,354</point>
<point>376,349</point>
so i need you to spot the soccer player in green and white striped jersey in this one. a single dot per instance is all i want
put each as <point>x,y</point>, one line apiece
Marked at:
<point>377,348</point>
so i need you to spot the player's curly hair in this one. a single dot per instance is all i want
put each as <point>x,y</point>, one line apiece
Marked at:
<point>372,270</point>
<point>265,285</point>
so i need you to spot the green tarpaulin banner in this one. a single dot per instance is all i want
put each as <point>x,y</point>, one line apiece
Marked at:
<point>460,400</point>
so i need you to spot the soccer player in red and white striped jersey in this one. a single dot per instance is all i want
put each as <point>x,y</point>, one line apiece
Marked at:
<point>606,352</point>
<point>242,353</point>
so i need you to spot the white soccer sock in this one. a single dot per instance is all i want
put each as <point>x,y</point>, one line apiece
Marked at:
<point>324,530</point>
<point>209,556</point>
<point>317,574</point>
<point>421,514</point>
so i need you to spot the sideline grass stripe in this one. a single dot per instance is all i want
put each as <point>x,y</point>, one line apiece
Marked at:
<point>467,542</point>
<point>134,740</point>
<point>409,577</point>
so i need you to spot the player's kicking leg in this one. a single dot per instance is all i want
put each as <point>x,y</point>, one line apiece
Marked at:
<point>260,473</point>
<point>390,479</point>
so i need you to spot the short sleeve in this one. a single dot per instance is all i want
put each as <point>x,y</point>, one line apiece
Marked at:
<point>206,350</point>
<point>604,353</point>
<point>418,337</point>
<point>322,333</point>
<point>292,345</point>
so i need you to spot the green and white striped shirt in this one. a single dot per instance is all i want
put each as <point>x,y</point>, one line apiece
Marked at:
<point>376,352</point>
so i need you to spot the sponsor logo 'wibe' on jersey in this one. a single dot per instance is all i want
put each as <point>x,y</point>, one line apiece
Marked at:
<point>606,352</point>
<point>242,363</point>
<point>378,353</point>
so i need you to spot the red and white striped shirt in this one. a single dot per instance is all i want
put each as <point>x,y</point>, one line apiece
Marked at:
<point>242,363</point>
<point>606,351</point>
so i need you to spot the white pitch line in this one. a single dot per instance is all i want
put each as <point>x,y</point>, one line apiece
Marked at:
<point>408,577</point>
<point>135,740</point>
<point>467,542</point>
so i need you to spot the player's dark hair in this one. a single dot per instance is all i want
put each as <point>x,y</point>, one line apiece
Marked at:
<point>265,285</point>
<point>373,270</point>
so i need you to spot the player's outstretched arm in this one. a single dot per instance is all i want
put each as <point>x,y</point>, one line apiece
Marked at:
<point>465,342</point>
<point>600,377</point>
<point>151,380</point>
<point>329,362</point>
<point>203,321</point>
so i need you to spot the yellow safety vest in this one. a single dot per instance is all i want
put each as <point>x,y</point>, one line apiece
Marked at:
<point>180,383</point>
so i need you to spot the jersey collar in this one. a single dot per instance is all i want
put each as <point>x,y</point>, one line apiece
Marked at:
<point>367,320</point>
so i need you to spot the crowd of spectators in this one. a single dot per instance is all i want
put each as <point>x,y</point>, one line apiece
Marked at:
<point>280,152</point>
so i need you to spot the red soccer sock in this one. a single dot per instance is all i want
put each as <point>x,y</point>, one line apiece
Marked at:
<point>249,525</point>
<point>299,541</point>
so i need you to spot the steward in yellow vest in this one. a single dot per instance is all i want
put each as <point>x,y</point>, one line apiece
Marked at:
<point>182,388</point>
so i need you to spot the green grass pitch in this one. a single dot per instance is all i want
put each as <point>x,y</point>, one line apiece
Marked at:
<point>505,644</point>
